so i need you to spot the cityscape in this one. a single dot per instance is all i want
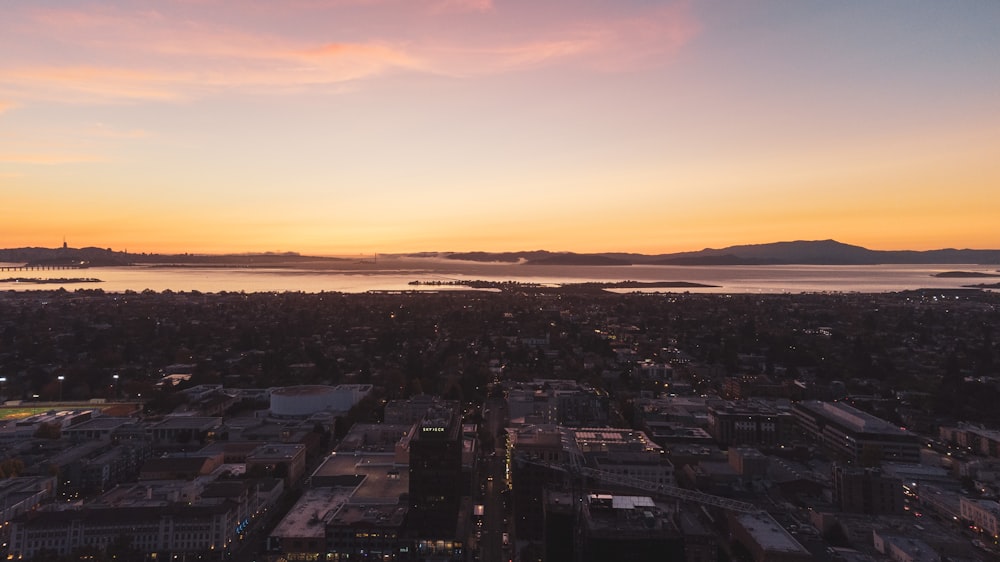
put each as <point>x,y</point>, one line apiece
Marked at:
<point>499,281</point>
<point>530,424</point>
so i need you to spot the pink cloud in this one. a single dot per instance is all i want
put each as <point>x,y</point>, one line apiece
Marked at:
<point>87,84</point>
<point>462,5</point>
<point>46,159</point>
<point>188,49</point>
<point>5,106</point>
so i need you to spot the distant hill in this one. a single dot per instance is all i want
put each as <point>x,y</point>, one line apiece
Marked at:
<point>89,256</point>
<point>800,252</point>
<point>98,257</point>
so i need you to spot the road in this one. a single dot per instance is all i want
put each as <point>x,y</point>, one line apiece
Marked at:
<point>491,541</point>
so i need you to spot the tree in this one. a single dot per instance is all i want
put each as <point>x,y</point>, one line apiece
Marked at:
<point>48,430</point>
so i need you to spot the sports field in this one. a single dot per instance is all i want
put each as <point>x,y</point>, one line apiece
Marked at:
<point>18,412</point>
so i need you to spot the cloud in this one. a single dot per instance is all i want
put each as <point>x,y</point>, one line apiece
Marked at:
<point>88,83</point>
<point>4,106</point>
<point>101,130</point>
<point>462,6</point>
<point>186,50</point>
<point>46,159</point>
<point>149,56</point>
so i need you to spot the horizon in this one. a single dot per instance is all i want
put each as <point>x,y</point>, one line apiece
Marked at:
<point>393,126</point>
<point>447,252</point>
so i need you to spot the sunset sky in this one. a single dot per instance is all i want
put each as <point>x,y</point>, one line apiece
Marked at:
<point>360,126</point>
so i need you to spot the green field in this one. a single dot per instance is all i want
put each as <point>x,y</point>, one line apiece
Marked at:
<point>18,412</point>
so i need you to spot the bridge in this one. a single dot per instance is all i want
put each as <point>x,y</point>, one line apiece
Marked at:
<point>30,267</point>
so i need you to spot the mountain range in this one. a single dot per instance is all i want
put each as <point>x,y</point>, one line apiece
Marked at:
<point>800,252</point>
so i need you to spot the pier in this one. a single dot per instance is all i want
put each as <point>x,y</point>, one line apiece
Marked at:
<point>29,267</point>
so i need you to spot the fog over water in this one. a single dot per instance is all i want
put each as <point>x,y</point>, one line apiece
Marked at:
<point>395,274</point>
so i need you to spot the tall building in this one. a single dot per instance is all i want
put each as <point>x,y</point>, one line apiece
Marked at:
<point>436,472</point>
<point>867,490</point>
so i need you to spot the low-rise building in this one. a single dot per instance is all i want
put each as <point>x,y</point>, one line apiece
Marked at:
<point>904,549</point>
<point>856,436</point>
<point>285,461</point>
<point>634,528</point>
<point>749,422</point>
<point>985,514</point>
<point>160,531</point>
<point>766,539</point>
<point>866,490</point>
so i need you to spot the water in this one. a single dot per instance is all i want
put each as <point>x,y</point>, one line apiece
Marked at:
<point>395,274</point>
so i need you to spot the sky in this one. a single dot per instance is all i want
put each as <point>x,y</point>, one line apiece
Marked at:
<point>337,127</point>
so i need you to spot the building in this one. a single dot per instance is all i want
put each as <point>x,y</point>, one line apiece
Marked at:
<point>984,514</point>
<point>22,494</point>
<point>355,508</point>
<point>749,463</point>
<point>436,472</point>
<point>559,525</point>
<point>904,549</point>
<point>766,539</point>
<point>749,422</point>
<point>179,467</point>
<point>154,531</point>
<point>285,461</point>
<point>980,440</point>
<point>537,455</point>
<point>652,468</point>
<point>867,490</point>
<point>700,543</point>
<point>306,400</point>
<point>540,456</point>
<point>100,428</point>
<point>410,411</point>
<point>183,430</point>
<point>634,528</point>
<point>855,436</point>
<point>302,533</point>
<point>557,401</point>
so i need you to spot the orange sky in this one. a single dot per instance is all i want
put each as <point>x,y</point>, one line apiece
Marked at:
<point>387,126</point>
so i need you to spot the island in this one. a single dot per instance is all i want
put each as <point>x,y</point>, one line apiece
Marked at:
<point>964,274</point>
<point>58,280</point>
<point>586,286</point>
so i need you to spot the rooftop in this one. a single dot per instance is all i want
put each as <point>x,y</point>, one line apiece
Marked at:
<point>277,451</point>
<point>769,534</point>
<point>383,481</point>
<point>384,515</point>
<point>308,518</point>
<point>851,417</point>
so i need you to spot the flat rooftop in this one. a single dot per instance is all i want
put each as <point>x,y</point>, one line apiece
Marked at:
<point>769,534</point>
<point>186,422</point>
<point>308,518</point>
<point>100,423</point>
<point>852,418</point>
<point>384,481</point>
<point>276,451</point>
<point>383,515</point>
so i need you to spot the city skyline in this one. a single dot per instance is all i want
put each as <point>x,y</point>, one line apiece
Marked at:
<point>360,126</point>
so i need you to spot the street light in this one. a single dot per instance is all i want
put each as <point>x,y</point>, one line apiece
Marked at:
<point>61,379</point>
<point>115,377</point>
